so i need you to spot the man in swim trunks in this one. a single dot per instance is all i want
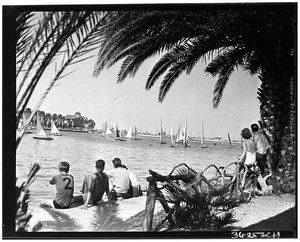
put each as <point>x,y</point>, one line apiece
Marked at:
<point>262,146</point>
<point>93,187</point>
<point>64,188</point>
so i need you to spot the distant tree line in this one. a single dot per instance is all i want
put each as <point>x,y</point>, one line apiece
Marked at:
<point>66,122</point>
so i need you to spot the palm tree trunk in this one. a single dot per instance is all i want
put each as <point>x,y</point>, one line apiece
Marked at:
<point>277,111</point>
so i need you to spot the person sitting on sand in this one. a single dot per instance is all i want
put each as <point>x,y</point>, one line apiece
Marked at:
<point>64,188</point>
<point>262,146</point>
<point>93,187</point>
<point>248,158</point>
<point>120,180</point>
<point>135,187</point>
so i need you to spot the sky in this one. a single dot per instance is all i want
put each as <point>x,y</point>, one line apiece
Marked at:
<point>104,100</point>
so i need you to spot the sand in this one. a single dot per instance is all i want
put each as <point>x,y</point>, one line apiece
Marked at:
<point>265,213</point>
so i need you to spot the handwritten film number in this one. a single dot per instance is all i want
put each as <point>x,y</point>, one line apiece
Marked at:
<point>253,235</point>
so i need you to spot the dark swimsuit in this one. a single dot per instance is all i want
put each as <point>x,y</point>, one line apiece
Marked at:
<point>56,205</point>
<point>261,161</point>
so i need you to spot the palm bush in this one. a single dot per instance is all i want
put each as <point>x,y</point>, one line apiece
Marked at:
<point>199,204</point>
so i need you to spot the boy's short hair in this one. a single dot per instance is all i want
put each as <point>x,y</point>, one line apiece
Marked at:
<point>100,163</point>
<point>246,134</point>
<point>254,127</point>
<point>64,166</point>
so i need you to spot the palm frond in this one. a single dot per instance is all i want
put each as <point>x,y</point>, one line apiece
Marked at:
<point>89,30</point>
<point>224,65</point>
<point>170,78</point>
<point>164,63</point>
<point>132,62</point>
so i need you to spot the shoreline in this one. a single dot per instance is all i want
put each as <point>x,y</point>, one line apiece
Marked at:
<point>265,213</point>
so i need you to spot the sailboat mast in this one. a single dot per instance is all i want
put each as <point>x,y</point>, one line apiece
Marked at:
<point>185,131</point>
<point>229,140</point>
<point>160,137</point>
<point>202,134</point>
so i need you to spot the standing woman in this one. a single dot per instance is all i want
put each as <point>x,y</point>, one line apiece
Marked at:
<point>248,157</point>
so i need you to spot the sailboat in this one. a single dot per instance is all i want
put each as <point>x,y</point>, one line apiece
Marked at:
<point>119,134</point>
<point>202,137</point>
<point>24,125</point>
<point>40,132</point>
<point>179,134</point>
<point>135,134</point>
<point>161,136</point>
<point>171,135</point>
<point>107,131</point>
<point>129,133</point>
<point>229,140</point>
<point>185,137</point>
<point>54,130</point>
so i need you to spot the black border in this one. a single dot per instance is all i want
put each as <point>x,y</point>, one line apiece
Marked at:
<point>8,114</point>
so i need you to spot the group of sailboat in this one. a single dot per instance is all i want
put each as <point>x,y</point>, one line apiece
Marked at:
<point>181,137</point>
<point>119,134</point>
<point>132,133</point>
<point>40,132</point>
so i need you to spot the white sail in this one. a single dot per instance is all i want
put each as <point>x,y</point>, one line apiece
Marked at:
<point>39,129</point>
<point>161,137</point>
<point>121,133</point>
<point>54,129</point>
<point>185,136</point>
<point>181,133</point>
<point>178,134</point>
<point>129,133</point>
<point>20,126</point>
<point>202,136</point>
<point>108,131</point>
<point>42,133</point>
<point>171,135</point>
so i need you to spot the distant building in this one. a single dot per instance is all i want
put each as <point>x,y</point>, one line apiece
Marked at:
<point>77,115</point>
<point>69,116</point>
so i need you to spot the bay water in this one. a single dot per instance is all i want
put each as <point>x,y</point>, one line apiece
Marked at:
<point>81,150</point>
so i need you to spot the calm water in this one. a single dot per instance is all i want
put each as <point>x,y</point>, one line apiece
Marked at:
<point>81,150</point>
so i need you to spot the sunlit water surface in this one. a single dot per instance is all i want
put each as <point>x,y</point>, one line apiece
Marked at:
<point>81,150</point>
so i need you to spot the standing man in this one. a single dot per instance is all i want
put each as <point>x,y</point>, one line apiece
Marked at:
<point>262,146</point>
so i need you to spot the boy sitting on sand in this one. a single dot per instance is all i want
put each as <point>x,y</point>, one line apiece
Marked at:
<point>93,187</point>
<point>64,188</point>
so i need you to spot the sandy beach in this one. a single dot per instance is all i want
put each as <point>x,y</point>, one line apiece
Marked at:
<point>265,213</point>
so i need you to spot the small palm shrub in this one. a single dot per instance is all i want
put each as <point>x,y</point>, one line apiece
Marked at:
<point>201,205</point>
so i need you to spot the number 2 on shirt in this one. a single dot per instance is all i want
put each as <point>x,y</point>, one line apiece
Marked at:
<point>69,181</point>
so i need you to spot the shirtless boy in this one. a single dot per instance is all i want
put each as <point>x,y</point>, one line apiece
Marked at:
<point>94,186</point>
<point>64,188</point>
<point>262,146</point>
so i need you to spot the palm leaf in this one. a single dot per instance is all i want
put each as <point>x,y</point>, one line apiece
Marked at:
<point>84,44</point>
